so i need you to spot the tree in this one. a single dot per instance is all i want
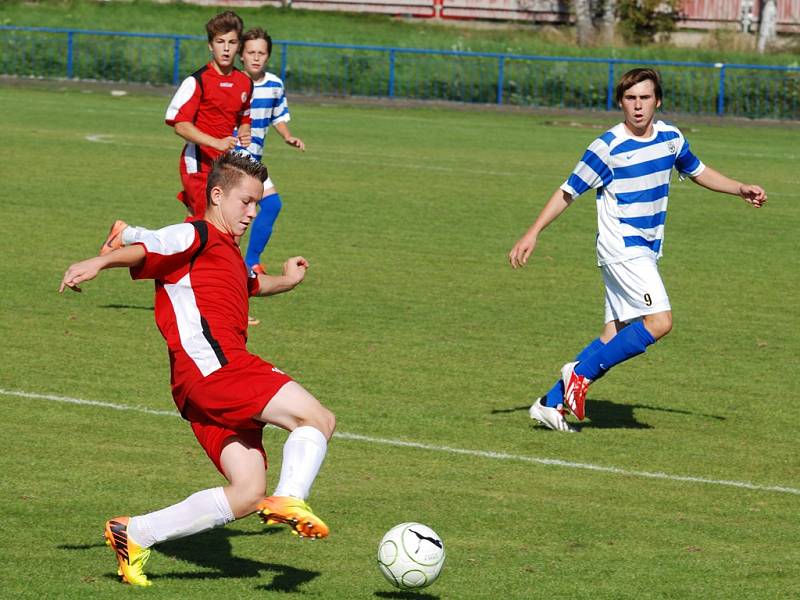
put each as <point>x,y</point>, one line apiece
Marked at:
<point>609,21</point>
<point>767,28</point>
<point>584,27</point>
<point>642,20</point>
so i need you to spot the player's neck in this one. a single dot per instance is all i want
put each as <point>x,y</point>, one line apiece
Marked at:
<point>214,218</point>
<point>258,77</point>
<point>222,70</point>
<point>643,131</point>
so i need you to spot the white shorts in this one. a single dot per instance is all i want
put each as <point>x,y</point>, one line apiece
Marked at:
<point>633,289</point>
<point>268,184</point>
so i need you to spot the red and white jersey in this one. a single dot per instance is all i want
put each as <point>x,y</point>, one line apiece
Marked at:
<point>201,300</point>
<point>216,104</point>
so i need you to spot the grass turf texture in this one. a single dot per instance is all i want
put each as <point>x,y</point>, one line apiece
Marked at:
<point>411,326</point>
<point>349,28</point>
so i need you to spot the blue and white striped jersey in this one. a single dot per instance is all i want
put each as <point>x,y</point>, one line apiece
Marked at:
<point>632,176</point>
<point>267,108</point>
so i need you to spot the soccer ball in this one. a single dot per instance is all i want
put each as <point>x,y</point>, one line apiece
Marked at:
<point>411,556</point>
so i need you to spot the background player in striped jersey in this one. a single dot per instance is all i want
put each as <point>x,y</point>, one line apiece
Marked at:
<point>226,393</point>
<point>268,108</point>
<point>630,166</point>
<point>208,106</point>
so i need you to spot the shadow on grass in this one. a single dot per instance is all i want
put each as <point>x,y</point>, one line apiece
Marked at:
<point>213,552</point>
<point>407,595</point>
<point>605,414</point>
<point>134,306</point>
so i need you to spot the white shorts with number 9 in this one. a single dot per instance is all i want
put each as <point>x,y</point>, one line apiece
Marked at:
<point>633,289</point>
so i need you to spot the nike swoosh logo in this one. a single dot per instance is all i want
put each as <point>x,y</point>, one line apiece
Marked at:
<point>629,156</point>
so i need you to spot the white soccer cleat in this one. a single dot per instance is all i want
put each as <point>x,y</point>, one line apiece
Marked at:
<point>550,417</point>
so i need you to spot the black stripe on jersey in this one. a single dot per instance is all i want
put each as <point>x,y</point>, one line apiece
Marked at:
<point>202,232</point>
<point>198,76</point>
<point>213,342</point>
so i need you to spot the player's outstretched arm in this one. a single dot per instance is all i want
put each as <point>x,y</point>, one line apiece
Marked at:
<point>558,203</point>
<point>717,182</point>
<point>294,271</point>
<point>284,132</point>
<point>86,270</point>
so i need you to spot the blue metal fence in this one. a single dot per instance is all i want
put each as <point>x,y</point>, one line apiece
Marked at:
<point>379,71</point>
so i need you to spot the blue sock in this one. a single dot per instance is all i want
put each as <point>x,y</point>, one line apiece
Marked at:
<point>630,342</point>
<point>556,394</point>
<point>261,229</point>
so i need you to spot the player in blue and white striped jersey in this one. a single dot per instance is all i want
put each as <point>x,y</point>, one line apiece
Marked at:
<point>268,108</point>
<point>630,166</point>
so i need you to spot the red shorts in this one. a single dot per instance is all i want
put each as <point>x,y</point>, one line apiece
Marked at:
<point>225,403</point>
<point>194,193</point>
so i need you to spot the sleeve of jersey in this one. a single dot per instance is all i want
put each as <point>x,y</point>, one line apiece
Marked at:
<point>244,114</point>
<point>280,112</point>
<point>184,104</point>
<point>167,250</point>
<point>687,163</point>
<point>591,172</point>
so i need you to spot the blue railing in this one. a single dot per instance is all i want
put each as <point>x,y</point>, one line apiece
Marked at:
<point>336,69</point>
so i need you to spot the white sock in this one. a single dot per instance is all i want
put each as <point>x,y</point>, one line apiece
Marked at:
<point>132,234</point>
<point>303,454</point>
<point>199,512</point>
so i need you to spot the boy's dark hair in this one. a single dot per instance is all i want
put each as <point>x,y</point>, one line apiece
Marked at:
<point>229,168</point>
<point>223,23</point>
<point>634,76</point>
<point>256,33</point>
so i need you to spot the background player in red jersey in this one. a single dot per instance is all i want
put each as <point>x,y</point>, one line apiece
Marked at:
<point>208,106</point>
<point>226,393</point>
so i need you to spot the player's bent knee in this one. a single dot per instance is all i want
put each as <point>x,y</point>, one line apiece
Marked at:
<point>327,422</point>
<point>659,324</point>
<point>320,418</point>
<point>244,499</point>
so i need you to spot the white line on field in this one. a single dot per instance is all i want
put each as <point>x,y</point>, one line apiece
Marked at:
<point>340,157</point>
<point>553,462</point>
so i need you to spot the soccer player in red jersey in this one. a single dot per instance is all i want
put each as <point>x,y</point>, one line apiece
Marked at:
<point>226,393</point>
<point>208,106</point>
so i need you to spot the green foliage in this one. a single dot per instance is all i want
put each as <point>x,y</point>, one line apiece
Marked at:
<point>643,21</point>
<point>353,72</point>
<point>314,26</point>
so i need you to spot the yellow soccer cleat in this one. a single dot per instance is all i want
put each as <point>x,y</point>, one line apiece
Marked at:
<point>293,512</point>
<point>130,555</point>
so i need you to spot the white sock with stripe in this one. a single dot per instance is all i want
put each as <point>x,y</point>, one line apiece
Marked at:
<point>199,512</point>
<point>303,454</point>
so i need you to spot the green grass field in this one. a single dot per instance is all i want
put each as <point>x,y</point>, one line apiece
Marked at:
<point>412,327</point>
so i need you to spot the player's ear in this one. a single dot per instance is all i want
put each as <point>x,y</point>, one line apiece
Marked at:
<point>215,197</point>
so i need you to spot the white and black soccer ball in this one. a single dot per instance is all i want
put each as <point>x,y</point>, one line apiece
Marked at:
<point>411,556</point>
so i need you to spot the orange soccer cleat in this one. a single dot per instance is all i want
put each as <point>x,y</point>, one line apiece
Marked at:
<point>114,237</point>
<point>130,555</point>
<point>293,512</point>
